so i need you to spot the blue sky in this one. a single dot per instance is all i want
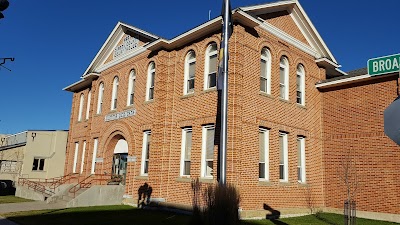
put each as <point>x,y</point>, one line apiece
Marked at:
<point>54,41</point>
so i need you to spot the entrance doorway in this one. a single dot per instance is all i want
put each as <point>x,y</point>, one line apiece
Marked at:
<point>120,161</point>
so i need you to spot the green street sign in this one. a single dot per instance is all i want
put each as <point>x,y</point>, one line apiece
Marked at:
<point>384,65</point>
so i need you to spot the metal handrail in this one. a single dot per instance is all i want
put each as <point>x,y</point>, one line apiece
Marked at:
<point>40,184</point>
<point>88,181</point>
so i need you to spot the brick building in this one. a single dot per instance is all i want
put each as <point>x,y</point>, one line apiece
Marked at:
<point>146,107</point>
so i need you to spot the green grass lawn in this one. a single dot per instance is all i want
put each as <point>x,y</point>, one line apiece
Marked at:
<point>124,215</point>
<point>12,199</point>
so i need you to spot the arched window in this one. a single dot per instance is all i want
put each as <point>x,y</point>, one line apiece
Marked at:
<point>88,104</point>
<point>100,98</point>
<point>131,88</point>
<point>210,79</point>
<point>265,77</point>
<point>81,99</point>
<point>151,73</point>
<point>190,70</point>
<point>284,78</point>
<point>114,97</point>
<point>300,81</point>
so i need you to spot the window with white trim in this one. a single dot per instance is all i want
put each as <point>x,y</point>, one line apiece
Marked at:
<point>83,156</point>
<point>145,153</point>
<point>284,78</point>
<point>210,79</point>
<point>186,151</point>
<point>190,70</point>
<point>38,164</point>
<point>131,88</point>
<point>81,100</point>
<point>283,157</point>
<point>207,167</point>
<point>100,98</point>
<point>301,159</point>
<point>75,157</point>
<point>300,84</point>
<point>151,73</point>
<point>88,104</point>
<point>263,166</point>
<point>94,156</point>
<point>114,97</point>
<point>265,77</point>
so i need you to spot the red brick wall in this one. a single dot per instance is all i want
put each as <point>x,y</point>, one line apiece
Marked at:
<point>248,110</point>
<point>353,125</point>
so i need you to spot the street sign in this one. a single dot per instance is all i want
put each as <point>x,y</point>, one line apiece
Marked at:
<point>384,65</point>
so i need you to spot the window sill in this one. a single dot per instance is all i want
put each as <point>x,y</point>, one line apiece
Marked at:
<point>266,95</point>
<point>206,180</point>
<point>113,110</point>
<point>210,90</point>
<point>129,107</point>
<point>284,183</point>
<point>38,171</point>
<point>284,100</point>
<point>303,184</point>
<point>142,177</point>
<point>148,101</point>
<point>264,183</point>
<point>187,95</point>
<point>183,179</point>
<point>301,106</point>
<point>97,115</point>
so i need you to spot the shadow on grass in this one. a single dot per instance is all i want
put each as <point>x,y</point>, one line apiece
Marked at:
<point>323,218</point>
<point>121,215</point>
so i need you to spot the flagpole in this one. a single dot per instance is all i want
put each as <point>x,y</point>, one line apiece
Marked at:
<point>224,99</point>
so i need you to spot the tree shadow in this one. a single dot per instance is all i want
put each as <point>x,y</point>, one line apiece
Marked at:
<point>274,215</point>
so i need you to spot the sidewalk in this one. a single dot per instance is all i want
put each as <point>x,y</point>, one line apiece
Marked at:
<point>26,206</point>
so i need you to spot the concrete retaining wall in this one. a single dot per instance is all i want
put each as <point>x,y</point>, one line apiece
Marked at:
<point>99,195</point>
<point>24,192</point>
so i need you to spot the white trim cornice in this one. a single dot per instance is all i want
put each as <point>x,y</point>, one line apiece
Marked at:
<point>342,81</point>
<point>114,62</point>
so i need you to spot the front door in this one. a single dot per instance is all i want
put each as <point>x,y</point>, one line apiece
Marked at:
<point>119,167</point>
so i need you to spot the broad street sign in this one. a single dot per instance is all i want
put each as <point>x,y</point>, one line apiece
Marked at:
<point>384,65</point>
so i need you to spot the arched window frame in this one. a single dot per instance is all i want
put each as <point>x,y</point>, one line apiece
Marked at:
<point>114,96</point>
<point>151,74</point>
<point>88,104</point>
<point>210,77</point>
<point>100,98</point>
<point>265,71</point>
<point>300,85</point>
<point>131,88</point>
<point>190,71</point>
<point>284,78</point>
<point>81,100</point>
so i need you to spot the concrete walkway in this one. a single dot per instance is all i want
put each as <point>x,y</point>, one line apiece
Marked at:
<point>26,206</point>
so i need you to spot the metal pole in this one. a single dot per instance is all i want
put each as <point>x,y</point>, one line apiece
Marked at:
<point>224,99</point>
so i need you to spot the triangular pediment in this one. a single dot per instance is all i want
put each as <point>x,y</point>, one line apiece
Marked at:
<point>123,42</point>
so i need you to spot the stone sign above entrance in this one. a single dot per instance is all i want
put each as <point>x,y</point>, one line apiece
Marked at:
<point>120,115</point>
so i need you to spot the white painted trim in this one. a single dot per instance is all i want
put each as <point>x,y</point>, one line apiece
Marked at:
<point>88,104</point>
<point>114,95</point>
<point>100,96</point>
<point>286,67</point>
<point>186,73</point>
<point>343,81</point>
<point>95,146</point>
<point>266,153</point>
<point>204,150</point>
<point>285,157</point>
<point>268,60</point>
<point>132,77</point>
<point>150,70</point>
<point>83,156</point>
<point>326,60</point>
<point>303,159</point>
<point>146,135</point>
<point>268,5</point>
<point>75,157</point>
<point>81,100</point>
<point>114,62</point>
<point>302,75</point>
<point>207,63</point>
<point>183,151</point>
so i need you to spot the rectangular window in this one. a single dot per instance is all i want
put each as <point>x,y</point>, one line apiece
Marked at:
<point>283,157</point>
<point>145,153</point>
<point>151,88</point>
<point>38,164</point>
<point>83,156</point>
<point>263,166</point>
<point>263,77</point>
<point>96,142</point>
<point>75,157</point>
<point>186,151</point>
<point>212,74</point>
<point>208,151</point>
<point>301,159</point>
<point>282,88</point>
